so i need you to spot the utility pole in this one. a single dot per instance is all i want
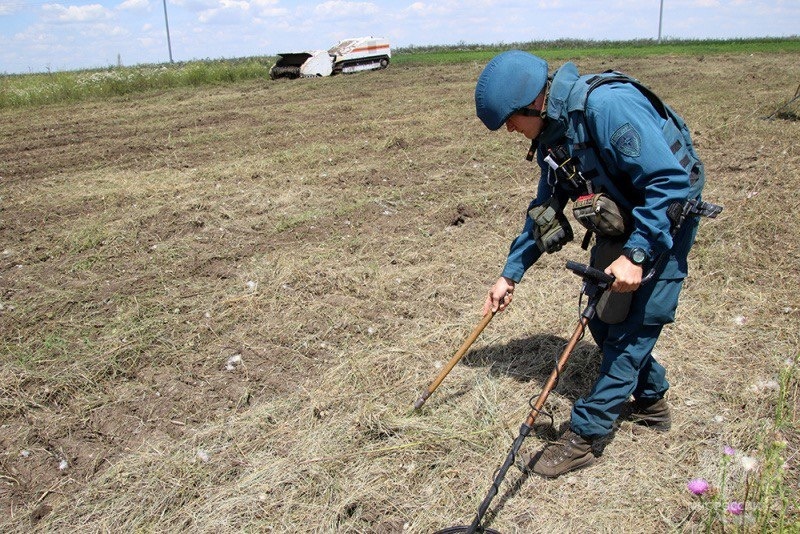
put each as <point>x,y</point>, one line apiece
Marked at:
<point>169,44</point>
<point>660,17</point>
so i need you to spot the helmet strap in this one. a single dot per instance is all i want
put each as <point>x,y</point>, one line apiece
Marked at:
<point>532,149</point>
<point>533,112</point>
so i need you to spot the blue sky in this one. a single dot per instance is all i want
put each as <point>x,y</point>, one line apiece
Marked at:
<point>37,35</point>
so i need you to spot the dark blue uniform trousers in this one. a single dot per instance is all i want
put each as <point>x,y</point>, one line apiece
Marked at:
<point>628,368</point>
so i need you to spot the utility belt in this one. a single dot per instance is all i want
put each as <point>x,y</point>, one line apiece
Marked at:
<point>604,218</point>
<point>595,211</point>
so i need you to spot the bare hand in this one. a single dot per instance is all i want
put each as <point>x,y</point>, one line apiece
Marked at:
<point>499,296</point>
<point>628,275</point>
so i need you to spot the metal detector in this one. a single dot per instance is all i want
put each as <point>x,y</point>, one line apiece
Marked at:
<point>595,283</point>
<point>678,212</point>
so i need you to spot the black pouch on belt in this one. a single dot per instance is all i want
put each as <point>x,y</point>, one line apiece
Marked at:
<point>613,307</point>
<point>551,228</point>
<point>599,214</point>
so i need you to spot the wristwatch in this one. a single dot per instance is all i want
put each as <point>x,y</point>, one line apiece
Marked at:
<point>636,255</point>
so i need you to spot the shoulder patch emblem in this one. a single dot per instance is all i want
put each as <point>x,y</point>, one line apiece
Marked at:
<point>626,139</point>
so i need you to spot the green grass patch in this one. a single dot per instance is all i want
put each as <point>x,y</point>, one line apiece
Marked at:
<point>570,49</point>
<point>72,86</point>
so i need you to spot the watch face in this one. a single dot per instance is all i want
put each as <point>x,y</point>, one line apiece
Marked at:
<point>638,256</point>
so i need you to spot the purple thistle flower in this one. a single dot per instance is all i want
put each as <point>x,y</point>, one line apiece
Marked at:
<point>698,486</point>
<point>728,450</point>
<point>735,508</point>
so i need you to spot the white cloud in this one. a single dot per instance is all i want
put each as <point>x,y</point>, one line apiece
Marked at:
<point>265,9</point>
<point>196,5</point>
<point>339,8</point>
<point>105,31</point>
<point>228,12</point>
<point>87,13</point>
<point>426,10</point>
<point>134,5</point>
<point>8,9</point>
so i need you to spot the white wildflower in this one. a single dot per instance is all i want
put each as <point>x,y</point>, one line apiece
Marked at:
<point>63,464</point>
<point>748,463</point>
<point>252,285</point>
<point>203,455</point>
<point>25,453</point>
<point>718,419</point>
<point>740,320</point>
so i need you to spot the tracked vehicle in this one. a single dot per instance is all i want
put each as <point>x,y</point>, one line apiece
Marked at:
<point>347,56</point>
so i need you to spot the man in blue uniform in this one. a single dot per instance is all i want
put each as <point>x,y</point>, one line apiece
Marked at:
<point>625,161</point>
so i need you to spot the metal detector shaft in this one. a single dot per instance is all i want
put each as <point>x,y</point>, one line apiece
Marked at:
<point>526,427</point>
<point>595,282</point>
<point>454,360</point>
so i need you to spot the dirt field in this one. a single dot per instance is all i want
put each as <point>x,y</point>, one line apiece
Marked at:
<point>218,305</point>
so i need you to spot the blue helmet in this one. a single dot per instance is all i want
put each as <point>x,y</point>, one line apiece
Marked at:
<point>509,82</point>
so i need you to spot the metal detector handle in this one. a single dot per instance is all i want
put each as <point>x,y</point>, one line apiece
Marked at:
<point>586,272</point>
<point>454,360</point>
<point>595,283</point>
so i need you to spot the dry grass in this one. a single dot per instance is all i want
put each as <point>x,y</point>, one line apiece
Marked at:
<point>218,306</point>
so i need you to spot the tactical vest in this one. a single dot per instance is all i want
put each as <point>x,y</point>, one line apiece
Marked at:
<point>583,146</point>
